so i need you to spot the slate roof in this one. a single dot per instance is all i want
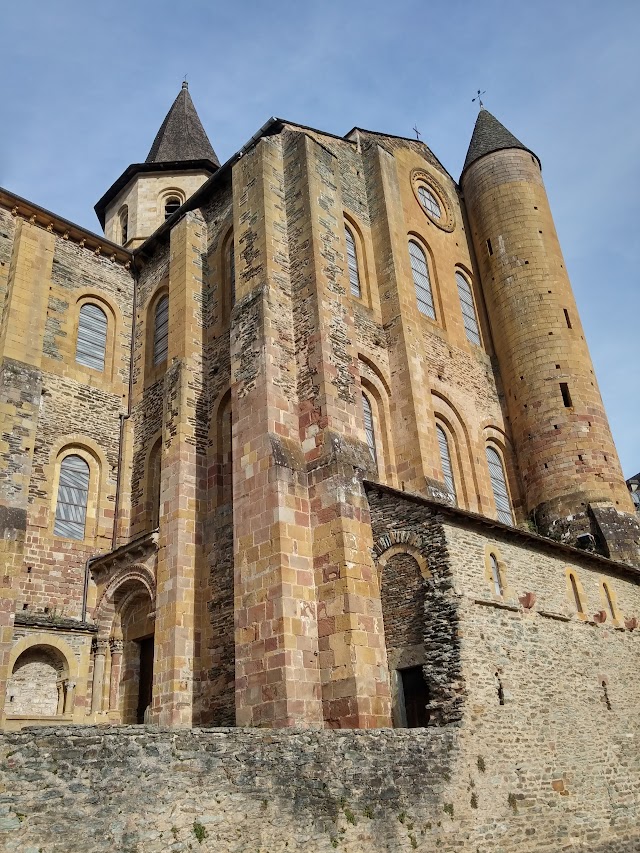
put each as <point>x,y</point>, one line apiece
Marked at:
<point>181,135</point>
<point>490,135</point>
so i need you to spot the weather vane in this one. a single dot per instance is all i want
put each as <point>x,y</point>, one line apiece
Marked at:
<point>185,85</point>
<point>416,131</point>
<point>478,98</point>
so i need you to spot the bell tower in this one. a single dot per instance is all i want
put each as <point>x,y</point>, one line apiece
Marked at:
<point>181,159</point>
<point>572,478</point>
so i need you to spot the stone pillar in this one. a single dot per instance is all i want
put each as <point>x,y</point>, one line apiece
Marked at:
<point>116,647</point>
<point>60,706</point>
<point>179,551</point>
<point>69,696</point>
<point>98,675</point>
<point>20,393</point>
<point>277,677</point>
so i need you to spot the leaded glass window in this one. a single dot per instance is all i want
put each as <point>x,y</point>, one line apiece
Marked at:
<point>499,486</point>
<point>352,259</point>
<point>161,331</point>
<point>421,280</point>
<point>92,337</point>
<point>73,493</point>
<point>429,202</point>
<point>369,428</point>
<point>468,309</point>
<point>445,459</point>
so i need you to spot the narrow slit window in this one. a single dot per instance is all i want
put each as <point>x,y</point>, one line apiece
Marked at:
<point>91,343</point>
<point>161,331</point>
<point>369,428</point>
<point>124,225</point>
<point>495,575</point>
<point>445,460</point>
<point>609,600</point>
<point>352,260</point>
<point>489,247</point>
<point>567,318</point>
<point>499,486</point>
<point>576,594</point>
<point>170,206</point>
<point>468,309</point>
<point>232,271</point>
<point>566,396</point>
<point>73,493</point>
<point>421,280</point>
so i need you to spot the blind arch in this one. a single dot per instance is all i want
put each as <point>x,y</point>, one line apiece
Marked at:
<point>161,330</point>
<point>91,343</point>
<point>421,280</point>
<point>468,309</point>
<point>352,261</point>
<point>73,495</point>
<point>445,460</point>
<point>499,485</point>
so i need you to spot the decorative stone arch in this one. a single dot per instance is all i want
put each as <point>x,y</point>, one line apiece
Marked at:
<point>122,588</point>
<point>394,543</point>
<point>50,690</point>
<point>43,639</point>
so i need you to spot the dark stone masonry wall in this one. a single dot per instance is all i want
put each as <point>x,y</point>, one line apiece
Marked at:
<point>144,790</point>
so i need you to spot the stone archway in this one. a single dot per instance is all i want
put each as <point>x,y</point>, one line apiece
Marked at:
<point>40,684</point>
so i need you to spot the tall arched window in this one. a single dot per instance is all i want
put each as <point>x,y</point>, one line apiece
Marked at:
<point>445,459</point>
<point>352,259</point>
<point>421,280</point>
<point>576,594</point>
<point>171,204</point>
<point>73,493</point>
<point>123,217</point>
<point>468,309</point>
<point>161,331</point>
<point>495,575</point>
<point>499,486</point>
<point>92,336</point>
<point>232,270</point>
<point>369,428</point>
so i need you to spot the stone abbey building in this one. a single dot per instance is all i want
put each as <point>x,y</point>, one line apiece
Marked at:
<point>313,438</point>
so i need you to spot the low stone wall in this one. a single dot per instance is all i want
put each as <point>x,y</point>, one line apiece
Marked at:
<point>147,790</point>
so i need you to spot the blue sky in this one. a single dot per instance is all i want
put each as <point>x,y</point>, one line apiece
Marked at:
<point>86,88</point>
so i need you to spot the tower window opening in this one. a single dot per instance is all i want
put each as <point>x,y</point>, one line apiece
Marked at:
<point>576,594</point>
<point>496,576</point>
<point>566,396</point>
<point>445,459</point>
<point>161,331</point>
<point>124,225</point>
<point>489,247</point>
<point>352,261</point>
<point>421,280</point>
<point>567,318</point>
<point>170,206</point>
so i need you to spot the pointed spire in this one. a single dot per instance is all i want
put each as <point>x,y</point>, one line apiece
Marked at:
<point>489,135</point>
<point>181,135</point>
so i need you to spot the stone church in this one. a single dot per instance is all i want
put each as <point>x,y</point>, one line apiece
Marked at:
<point>310,438</point>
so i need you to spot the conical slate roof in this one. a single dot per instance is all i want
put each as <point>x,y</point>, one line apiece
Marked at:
<point>181,135</point>
<point>489,135</point>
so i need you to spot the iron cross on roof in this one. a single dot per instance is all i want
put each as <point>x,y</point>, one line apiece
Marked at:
<point>478,98</point>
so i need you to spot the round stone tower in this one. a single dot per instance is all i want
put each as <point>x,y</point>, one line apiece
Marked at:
<point>572,479</point>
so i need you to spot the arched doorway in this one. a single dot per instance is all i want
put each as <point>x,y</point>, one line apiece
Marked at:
<point>39,685</point>
<point>123,662</point>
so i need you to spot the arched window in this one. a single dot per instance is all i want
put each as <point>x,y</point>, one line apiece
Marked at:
<point>73,493</point>
<point>232,270</point>
<point>161,331</point>
<point>92,336</point>
<point>499,486</point>
<point>576,594</point>
<point>429,201</point>
<point>445,459</point>
<point>609,600</point>
<point>495,575</point>
<point>468,309</point>
<point>421,280</point>
<point>124,224</point>
<point>171,204</point>
<point>352,259</point>
<point>369,428</point>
